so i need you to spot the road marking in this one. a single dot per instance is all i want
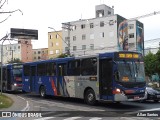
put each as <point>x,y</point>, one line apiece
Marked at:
<point>26,108</point>
<point>44,118</point>
<point>154,109</point>
<point>40,107</point>
<point>61,115</point>
<point>58,104</point>
<point>96,118</point>
<point>72,118</point>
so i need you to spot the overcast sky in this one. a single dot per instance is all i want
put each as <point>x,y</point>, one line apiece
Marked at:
<point>41,14</point>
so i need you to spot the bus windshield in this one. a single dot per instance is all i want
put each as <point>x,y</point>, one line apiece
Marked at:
<point>131,71</point>
<point>17,72</point>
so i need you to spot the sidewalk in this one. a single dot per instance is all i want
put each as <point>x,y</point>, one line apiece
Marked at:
<point>19,104</point>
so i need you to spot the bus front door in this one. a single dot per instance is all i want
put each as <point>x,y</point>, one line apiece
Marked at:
<point>60,78</point>
<point>32,78</point>
<point>105,79</point>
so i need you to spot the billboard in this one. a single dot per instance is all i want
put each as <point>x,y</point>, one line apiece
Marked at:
<point>24,33</point>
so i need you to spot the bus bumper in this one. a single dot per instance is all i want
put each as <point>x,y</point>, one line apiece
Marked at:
<point>123,97</point>
<point>16,88</point>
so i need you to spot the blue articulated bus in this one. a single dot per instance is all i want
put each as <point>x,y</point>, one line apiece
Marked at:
<point>12,77</point>
<point>114,76</point>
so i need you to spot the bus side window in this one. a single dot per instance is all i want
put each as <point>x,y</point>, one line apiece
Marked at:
<point>41,69</point>
<point>26,70</point>
<point>89,66</point>
<point>62,70</point>
<point>73,68</point>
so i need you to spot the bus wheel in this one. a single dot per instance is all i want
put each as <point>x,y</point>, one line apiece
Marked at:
<point>90,97</point>
<point>42,91</point>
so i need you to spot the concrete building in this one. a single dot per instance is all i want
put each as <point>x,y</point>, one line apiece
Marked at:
<point>54,44</point>
<point>106,32</point>
<point>40,54</point>
<point>21,50</point>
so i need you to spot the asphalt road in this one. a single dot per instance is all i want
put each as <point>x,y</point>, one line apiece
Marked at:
<point>75,109</point>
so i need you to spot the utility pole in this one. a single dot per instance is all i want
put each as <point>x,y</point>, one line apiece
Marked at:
<point>12,54</point>
<point>68,27</point>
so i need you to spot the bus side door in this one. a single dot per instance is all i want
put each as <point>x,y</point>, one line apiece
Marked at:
<point>61,72</point>
<point>105,78</point>
<point>32,78</point>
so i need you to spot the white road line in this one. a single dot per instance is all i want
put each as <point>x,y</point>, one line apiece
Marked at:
<point>72,118</point>
<point>61,115</point>
<point>58,104</point>
<point>45,118</point>
<point>40,107</point>
<point>154,109</point>
<point>26,108</point>
<point>96,118</point>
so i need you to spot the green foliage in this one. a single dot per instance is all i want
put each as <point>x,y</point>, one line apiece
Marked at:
<point>15,60</point>
<point>62,56</point>
<point>152,63</point>
<point>150,66</point>
<point>5,101</point>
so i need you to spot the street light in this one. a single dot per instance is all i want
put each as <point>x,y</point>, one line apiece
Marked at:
<point>3,40</point>
<point>62,39</point>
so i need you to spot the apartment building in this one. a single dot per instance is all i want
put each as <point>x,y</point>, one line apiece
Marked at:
<point>55,44</point>
<point>104,33</point>
<point>21,50</point>
<point>40,54</point>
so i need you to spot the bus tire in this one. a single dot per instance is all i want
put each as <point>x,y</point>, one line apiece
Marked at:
<point>42,91</point>
<point>90,97</point>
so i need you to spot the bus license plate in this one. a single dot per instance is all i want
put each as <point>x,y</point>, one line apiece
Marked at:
<point>136,97</point>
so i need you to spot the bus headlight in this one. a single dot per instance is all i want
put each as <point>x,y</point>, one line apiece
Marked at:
<point>15,84</point>
<point>116,91</point>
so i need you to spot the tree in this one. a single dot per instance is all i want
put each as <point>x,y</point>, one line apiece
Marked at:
<point>150,61</point>
<point>62,55</point>
<point>15,60</point>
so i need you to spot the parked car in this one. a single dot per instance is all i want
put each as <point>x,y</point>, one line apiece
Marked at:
<point>152,94</point>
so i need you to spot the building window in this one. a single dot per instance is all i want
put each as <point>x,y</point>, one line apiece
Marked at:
<point>102,35</point>
<point>50,36</point>
<point>82,26</point>
<point>102,24</point>
<point>73,27</point>
<point>57,36</point>
<point>83,47</point>
<point>26,42</point>
<point>83,37</point>
<point>14,47</point>
<point>50,52</point>
<point>39,57</point>
<point>19,47</point>
<point>35,52</point>
<point>39,52</point>
<point>109,12</point>
<point>74,48</point>
<point>92,46</point>
<point>91,25</point>
<point>131,35</point>
<point>74,38</point>
<point>91,36</point>
<point>57,51</point>
<point>66,49</point>
<point>130,26</point>
<point>34,57</point>
<point>51,44</point>
<point>57,43</point>
<point>67,38</point>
